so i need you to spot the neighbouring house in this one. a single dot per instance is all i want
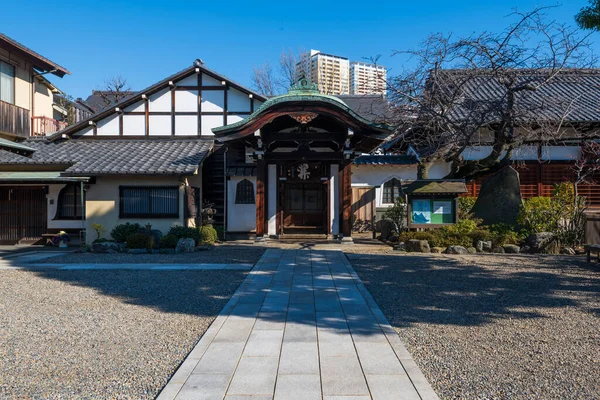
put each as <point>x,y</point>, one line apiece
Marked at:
<point>27,99</point>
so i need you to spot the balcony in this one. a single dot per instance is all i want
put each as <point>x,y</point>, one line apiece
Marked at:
<point>14,120</point>
<point>43,126</point>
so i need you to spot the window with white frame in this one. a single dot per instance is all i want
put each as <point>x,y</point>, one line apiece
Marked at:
<point>391,191</point>
<point>7,82</point>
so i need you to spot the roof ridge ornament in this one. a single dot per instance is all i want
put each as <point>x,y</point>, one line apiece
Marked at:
<point>303,86</point>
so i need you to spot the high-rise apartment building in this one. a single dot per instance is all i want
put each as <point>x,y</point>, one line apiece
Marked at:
<point>367,78</point>
<point>330,73</point>
<point>338,76</point>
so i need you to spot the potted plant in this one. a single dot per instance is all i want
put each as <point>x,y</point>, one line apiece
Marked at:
<point>61,239</point>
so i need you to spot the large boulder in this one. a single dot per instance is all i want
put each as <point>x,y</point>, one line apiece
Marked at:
<point>437,250</point>
<point>387,228</point>
<point>185,245</point>
<point>499,199</point>
<point>539,242</point>
<point>105,247</point>
<point>511,248</point>
<point>456,250</point>
<point>418,246</point>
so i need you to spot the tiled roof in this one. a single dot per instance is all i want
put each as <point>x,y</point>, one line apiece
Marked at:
<point>118,156</point>
<point>386,159</point>
<point>40,61</point>
<point>569,96</point>
<point>372,107</point>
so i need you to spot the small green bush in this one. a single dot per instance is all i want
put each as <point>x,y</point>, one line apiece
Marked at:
<point>502,234</point>
<point>121,232</point>
<point>397,213</point>
<point>140,241</point>
<point>540,214</point>
<point>410,235</point>
<point>208,234</point>
<point>465,205</point>
<point>168,241</point>
<point>101,240</point>
<point>183,232</point>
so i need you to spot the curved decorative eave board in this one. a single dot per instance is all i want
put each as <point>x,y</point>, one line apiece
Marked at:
<point>180,78</point>
<point>286,104</point>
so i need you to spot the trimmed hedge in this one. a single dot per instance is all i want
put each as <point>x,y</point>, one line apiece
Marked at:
<point>183,232</point>
<point>121,232</point>
<point>140,241</point>
<point>208,234</point>
<point>168,241</point>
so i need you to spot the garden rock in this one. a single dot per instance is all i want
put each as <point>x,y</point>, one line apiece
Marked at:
<point>499,199</point>
<point>472,250</point>
<point>539,242</point>
<point>394,238</point>
<point>567,250</point>
<point>456,250</point>
<point>418,246</point>
<point>104,247</point>
<point>483,245</point>
<point>525,249</point>
<point>137,251</point>
<point>387,228</point>
<point>400,246</point>
<point>437,250</point>
<point>185,245</point>
<point>498,249</point>
<point>511,248</point>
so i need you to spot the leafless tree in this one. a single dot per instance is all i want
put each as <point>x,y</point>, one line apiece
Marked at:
<point>114,90</point>
<point>263,80</point>
<point>291,66</point>
<point>488,88</point>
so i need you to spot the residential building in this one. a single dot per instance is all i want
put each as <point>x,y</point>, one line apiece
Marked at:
<point>27,105</point>
<point>367,79</point>
<point>330,73</point>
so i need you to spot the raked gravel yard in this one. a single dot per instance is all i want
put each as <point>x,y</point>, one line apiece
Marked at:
<point>102,334</point>
<point>493,326</point>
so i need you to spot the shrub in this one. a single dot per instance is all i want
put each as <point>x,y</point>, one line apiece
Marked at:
<point>465,205</point>
<point>208,234</point>
<point>502,234</point>
<point>397,213</point>
<point>220,232</point>
<point>168,241</point>
<point>101,240</point>
<point>121,232</point>
<point>183,232</point>
<point>539,214</point>
<point>140,241</point>
<point>99,228</point>
<point>409,235</point>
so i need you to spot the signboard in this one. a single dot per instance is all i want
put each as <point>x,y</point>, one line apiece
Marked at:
<point>421,211</point>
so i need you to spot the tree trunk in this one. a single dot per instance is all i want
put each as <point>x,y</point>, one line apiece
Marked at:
<point>423,170</point>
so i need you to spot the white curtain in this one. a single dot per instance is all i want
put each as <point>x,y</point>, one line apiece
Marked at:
<point>7,82</point>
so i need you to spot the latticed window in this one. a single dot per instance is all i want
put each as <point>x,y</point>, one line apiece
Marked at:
<point>69,203</point>
<point>244,192</point>
<point>149,201</point>
<point>391,191</point>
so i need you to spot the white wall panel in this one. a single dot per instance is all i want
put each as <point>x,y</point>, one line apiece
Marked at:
<point>569,153</point>
<point>240,217</point>
<point>213,100</point>
<point>160,125</point>
<point>186,100</point>
<point>209,122</point>
<point>191,80</point>
<point>85,132</point>
<point>186,125</point>
<point>238,101</point>
<point>134,125</point>
<point>140,106</point>
<point>109,126</point>
<point>161,101</point>
<point>234,118</point>
<point>209,81</point>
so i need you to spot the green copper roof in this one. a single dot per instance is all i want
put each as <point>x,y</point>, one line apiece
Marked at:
<point>14,145</point>
<point>301,92</point>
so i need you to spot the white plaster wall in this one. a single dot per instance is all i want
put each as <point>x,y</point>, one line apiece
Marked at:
<point>238,101</point>
<point>134,125</point>
<point>213,100</point>
<point>240,217</point>
<point>102,203</point>
<point>524,153</point>
<point>160,101</point>
<point>186,100</point>
<point>186,125</point>
<point>209,122</point>
<point>160,125</point>
<point>108,126</point>
<point>140,106</point>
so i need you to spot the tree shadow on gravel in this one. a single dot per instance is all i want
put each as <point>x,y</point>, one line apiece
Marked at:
<point>473,290</point>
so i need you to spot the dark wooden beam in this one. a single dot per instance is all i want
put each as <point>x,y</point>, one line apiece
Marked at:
<point>120,123</point>
<point>225,97</point>
<point>172,112</point>
<point>147,115</point>
<point>199,104</point>
<point>304,156</point>
<point>261,167</point>
<point>346,198</point>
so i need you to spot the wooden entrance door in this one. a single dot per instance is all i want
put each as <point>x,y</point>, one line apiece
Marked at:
<point>304,208</point>
<point>23,214</point>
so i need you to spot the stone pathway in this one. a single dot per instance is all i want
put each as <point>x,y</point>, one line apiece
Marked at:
<point>301,326</point>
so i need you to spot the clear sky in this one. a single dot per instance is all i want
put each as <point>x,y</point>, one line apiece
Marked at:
<point>145,41</point>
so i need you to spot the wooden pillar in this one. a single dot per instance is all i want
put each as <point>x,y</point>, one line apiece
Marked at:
<point>346,198</point>
<point>261,174</point>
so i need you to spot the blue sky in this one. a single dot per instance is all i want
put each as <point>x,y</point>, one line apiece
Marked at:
<point>145,41</point>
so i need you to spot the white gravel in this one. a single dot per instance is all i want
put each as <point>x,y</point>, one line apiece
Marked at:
<point>102,334</point>
<point>494,326</point>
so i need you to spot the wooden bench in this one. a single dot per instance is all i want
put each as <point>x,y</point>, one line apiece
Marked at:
<point>592,248</point>
<point>49,237</point>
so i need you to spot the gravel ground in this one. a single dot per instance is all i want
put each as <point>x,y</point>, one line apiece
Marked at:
<point>491,326</point>
<point>221,254</point>
<point>102,334</point>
